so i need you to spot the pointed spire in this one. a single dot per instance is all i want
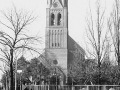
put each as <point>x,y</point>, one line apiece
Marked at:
<point>65,3</point>
<point>61,2</point>
<point>49,2</point>
<point>53,1</point>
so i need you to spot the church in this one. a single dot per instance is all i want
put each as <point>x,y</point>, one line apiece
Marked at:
<point>59,46</point>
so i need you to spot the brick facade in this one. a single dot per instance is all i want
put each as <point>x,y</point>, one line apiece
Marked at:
<point>59,45</point>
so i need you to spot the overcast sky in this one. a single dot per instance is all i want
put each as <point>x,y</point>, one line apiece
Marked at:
<point>78,11</point>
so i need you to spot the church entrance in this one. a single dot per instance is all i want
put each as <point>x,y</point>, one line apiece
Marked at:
<point>55,80</point>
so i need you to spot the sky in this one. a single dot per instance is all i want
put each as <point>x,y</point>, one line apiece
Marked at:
<point>78,11</point>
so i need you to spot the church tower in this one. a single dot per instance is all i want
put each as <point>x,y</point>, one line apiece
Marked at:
<point>57,32</point>
<point>59,45</point>
<point>57,24</point>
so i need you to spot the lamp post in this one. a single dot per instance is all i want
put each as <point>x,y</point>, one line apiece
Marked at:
<point>20,71</point>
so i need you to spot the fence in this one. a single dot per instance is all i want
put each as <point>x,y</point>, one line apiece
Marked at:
<point>69,87</point>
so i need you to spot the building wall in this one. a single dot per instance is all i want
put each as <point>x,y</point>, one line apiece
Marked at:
<point>65,56</point>
<point>57,32</point>
<point>56,38</point>
<point>60,55</point>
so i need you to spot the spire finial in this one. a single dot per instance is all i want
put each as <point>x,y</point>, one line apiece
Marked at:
<point>65,3</point>
<point>49,3</point>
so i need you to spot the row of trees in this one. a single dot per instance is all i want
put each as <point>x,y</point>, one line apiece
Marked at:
<point>32,71</point>
<point>103,39</point>
<point>86,72</point>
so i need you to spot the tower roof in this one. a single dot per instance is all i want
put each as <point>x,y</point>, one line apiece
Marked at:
<point>64,3</point>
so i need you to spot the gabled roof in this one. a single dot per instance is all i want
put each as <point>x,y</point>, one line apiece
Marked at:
<point>48,64</point>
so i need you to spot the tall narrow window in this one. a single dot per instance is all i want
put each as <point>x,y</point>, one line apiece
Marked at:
<point>55,38</point>
<point>58,39</point>
<point>59,19</point>
<point>52,19</point>
<point>61,40</point>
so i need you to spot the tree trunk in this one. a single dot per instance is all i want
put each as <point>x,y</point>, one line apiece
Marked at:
<point>118,56</point>
<point>6,87</point>
<point>11,71</point>
<point>11,76</point>
<point>118,60</point>
<point>99,67</point>
<point>99,71</point>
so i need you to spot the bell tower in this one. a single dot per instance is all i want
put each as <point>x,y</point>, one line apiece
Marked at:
<point>57,24</point>
<point>59,46</point>
<point>57,32</point>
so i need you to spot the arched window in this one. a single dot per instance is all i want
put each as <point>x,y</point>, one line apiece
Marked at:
<point>52,19</point>
<point>59,19</point>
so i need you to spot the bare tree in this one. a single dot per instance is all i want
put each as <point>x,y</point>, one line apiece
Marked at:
<point>97,36</point>
<point>16,41</point>
<point>114,26</point>
<point>81,70</point>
